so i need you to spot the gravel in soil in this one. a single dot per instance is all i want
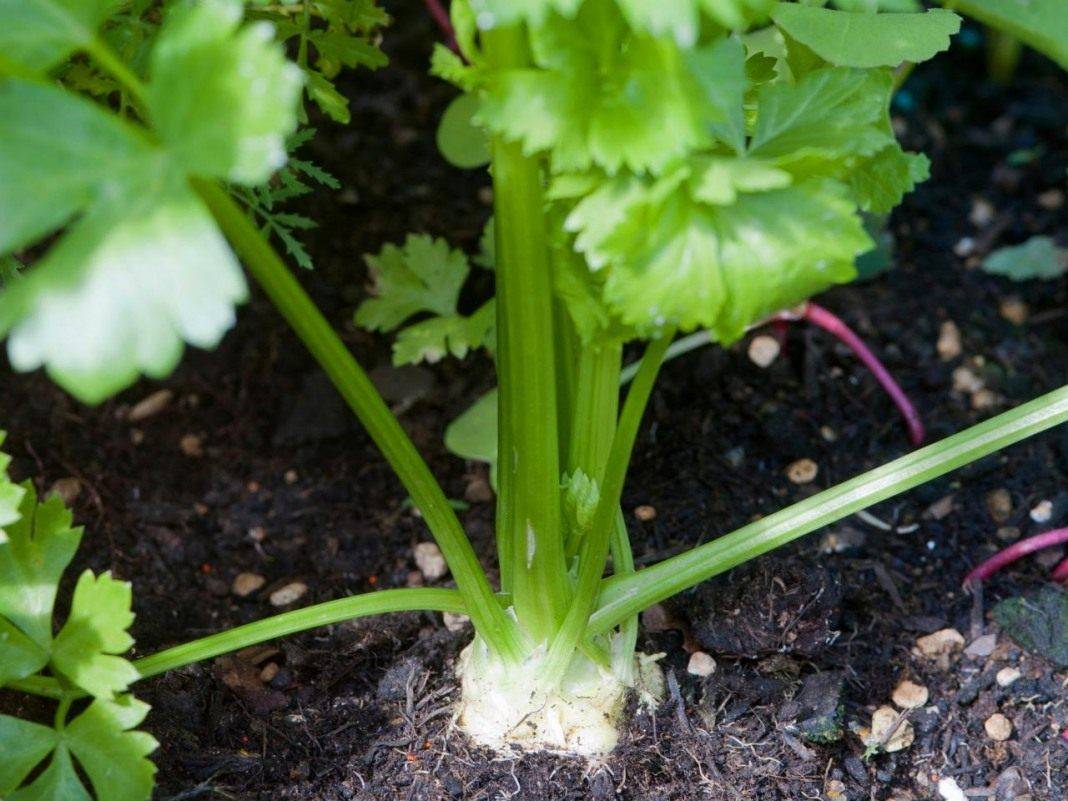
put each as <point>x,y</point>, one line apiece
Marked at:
<point>283,486</point>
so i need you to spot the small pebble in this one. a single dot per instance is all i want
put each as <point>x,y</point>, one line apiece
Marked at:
<point>455,622</point>
<point>998,727</point>
<point>948,347</point>
<point>802,471</point>
<point>150,406</point>
<point>982,213</point>
<point>645,513</point>
<point>430,560</point>
<point>66,489</point>
<point>950,790</point>
<point>909,695</point>
<point>828,434</point>
<point>137,436</point>
<point>999,505</point>
<point>764,350</point>
<point>964,247</point>
<point>290,477</point>
<point>1014,310</point>
<point>246,583</point>
<point>191,445</point>
<point>1051,199</point>
<point>982,646</point>
<point>1006,676</point>
<point>478,490</point>
<point>268,673</point>
<point>940,644</point>
<point>882,722</point>
<point>288,594</point>
<point>984,399</point>
<point>966,381</point>
<point>1042,512</point>
<point>701,664</point>
<point>257,533</point>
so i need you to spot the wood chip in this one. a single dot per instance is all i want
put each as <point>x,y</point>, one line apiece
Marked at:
<point>909,695</point>
<point>884,734</point>
<point>999,505</point>
<point>998,727</point>
<point>764,350</point>
<point>941,644</point>
<point>803,471</point>
<point>290,593</point>
<point>966,381</point>
<point>245,584</point>
<point>949,346</point>
<point>150,406</point>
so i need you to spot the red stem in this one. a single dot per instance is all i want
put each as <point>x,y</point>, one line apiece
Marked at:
<point>1060,573</point>
<point>834,325</point>
<point>441,17</point>
<point>1019,550</point>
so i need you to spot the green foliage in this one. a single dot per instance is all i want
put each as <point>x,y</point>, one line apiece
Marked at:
<point>850,39</point>
<point>39,34</point>
<point>1039,257</point>
<point>473,435</point>
<point>1041,24</point>
<point>37,543</point>
<point>141,268</point>
<point>424,276</point>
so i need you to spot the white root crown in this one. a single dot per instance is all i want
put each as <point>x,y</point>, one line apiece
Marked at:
<point>504,708</point>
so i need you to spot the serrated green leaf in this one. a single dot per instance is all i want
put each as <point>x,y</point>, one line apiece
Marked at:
<point>60,154</point>
<point>37,549</point>
<point>448,66</point>
<point>671,258</point>
<point>455,335</point>
<point>23,745</point>
<point>222,97</point>
<point>122,291</point>
<point>828,117</point>
<point>326,96</point>
<point>1037,258</point>
<point>682,18</point>
<point>11,494</point>
<point>463,143</point>
<point>85,649</point>
<point>653,110</point>
<point>58,782</point>
<point>423,275</point>
<point>1042,24</point>
<point>19,655</point>
<point>849,39</point>
<point>580,497</point>
<point>490,14</point>
<point>39,34</point>
<point>113,756</point>
<point>880,181</point>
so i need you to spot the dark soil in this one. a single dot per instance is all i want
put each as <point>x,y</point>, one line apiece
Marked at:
<point>281,482</point>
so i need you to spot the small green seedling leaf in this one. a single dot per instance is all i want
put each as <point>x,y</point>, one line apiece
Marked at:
<point>422,276</point>
<point>460,140</point>
<point>580,495</point>
<point>222,97</point>
<point>849,39</point>
<point>85,649</point>
<point>39,34</point>
<point>113,757</point>
<point>1038,257</point>
<point>473,435</point>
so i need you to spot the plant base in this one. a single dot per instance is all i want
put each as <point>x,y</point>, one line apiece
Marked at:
<point>503,708</point>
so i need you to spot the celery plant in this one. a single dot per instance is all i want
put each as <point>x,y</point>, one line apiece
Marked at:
<point>656,168</point>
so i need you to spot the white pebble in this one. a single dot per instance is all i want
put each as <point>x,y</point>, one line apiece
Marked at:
<point>764,350</point>
<point>430,560</point>
<point>701,664</point>
<point>288,594</point>
<point>1007,676</point>
<point>950,790</point>
<point>1042,512</point>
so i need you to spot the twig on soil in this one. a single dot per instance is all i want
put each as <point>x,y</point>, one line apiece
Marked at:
<point>834,325</point>
<point>1019,550</point>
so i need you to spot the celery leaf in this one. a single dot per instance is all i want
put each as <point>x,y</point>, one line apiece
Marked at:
<point>39,34</point>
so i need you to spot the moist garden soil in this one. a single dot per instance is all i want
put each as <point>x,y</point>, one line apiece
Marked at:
<point>255,466</point>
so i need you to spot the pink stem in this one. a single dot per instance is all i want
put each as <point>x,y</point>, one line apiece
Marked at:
<point>1060,572</point>
<point>441,17</point>
<point>834,325</point>
<point>1019,550</point>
